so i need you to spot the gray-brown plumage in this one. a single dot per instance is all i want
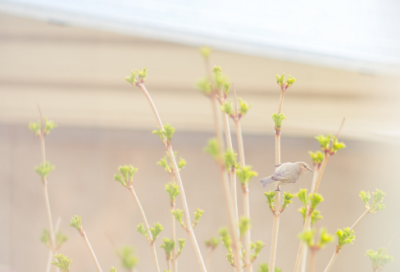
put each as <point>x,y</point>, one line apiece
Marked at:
<point>285,173</point>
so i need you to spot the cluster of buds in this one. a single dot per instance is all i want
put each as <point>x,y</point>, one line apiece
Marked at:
<point>137,77</point>
<point>169,245</point>
<point>330,144</point>
<point>280,79</point>
<point>308,236</point>
<point>237,113</point>
<point>128,258</point>
<point>155,231</point>
<point>310,203</point>
<point>37,128</point>
<point>165,134</point>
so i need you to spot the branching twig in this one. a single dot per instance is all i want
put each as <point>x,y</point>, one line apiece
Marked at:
<point>146,224</point>
<point>179,181</point>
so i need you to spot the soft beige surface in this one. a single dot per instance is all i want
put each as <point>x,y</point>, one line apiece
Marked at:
<point>76,75</point>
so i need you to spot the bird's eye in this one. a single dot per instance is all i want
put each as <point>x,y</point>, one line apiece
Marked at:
<point>304,166</point>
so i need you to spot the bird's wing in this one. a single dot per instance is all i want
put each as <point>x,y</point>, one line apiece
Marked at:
<point>283,172</point>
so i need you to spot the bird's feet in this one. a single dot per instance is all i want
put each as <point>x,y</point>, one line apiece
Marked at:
<point>278,165</point>
<point>278,189</point>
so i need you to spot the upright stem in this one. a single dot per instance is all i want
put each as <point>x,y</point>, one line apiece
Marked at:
<point>281,101</point>
<point>275,228</point>
<point>208,259</point>
<point>179,181</point>
<point>240,142</point>
<point>320,173</point>
<point>46,196</point>
<point>302,246</point>
<point>232,173</point>
<point>312,260</point>
<point>146,224</point>
<point>246,198</point>
<point>335,254</point>
<point>228,196</point>
<point>51,251</point>
<point>173,224</point>
<point>304,254</point>
<point>359,219</point>
<point>96,262</point>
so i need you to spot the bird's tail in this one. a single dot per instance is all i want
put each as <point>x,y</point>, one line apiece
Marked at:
<point>266,181</point>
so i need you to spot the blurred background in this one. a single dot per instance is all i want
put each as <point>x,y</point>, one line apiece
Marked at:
<point>71,57</point>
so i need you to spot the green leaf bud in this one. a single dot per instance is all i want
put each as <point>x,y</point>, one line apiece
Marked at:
<point>128,258</point>
<point>302,195</point>
<point>244,225</point>
<point>324,238</point>
<point>316,157</point>
<point>227,108</point>
<point>336,146</point>
<point>379,258</point>
<point>204,86</point>
<point>290,80</point>
<point>125,175</point>
<point>62,262</point>
<point>178,214</point>
<point>173,191</point>
<point>324,141</point>
<point>244,107</point>
<point>35,127</point>
<point>345,236</point>
<point>280,79</point>
<point>45,238</point>
<point>61,238</point>
<point>245,173</point>
<point>315,200</point>
<point>141,229</point>
<point>167,132</point>
<point>303,212</point>
<point>164,164</point>
<point>365,197</point>
<point>131,78</point>
<point>205,51</point>
<point>156,230</point>
<point>212,148</point>
<point>378,197</point>
<point>307,236</point>
<point>181,163</point>
<point>212,243</point>
<point>168,246</point>
<point>227,87</point>
<point>225,238</point>
<point>44,169</point>
<point>270,199</point>
<point>286,200</point>
<point>315,216</point>
<point>197,215</point>
<point>229,257</point>
<point>230,160</point>
<point>181,245</point>
<point>76,222</point>
<point>278,118</point>
<point>257,247</point>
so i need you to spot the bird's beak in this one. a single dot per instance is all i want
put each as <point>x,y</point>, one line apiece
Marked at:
<point>310,170</point>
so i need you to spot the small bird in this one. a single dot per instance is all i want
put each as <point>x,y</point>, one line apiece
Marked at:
<point>288,172</point>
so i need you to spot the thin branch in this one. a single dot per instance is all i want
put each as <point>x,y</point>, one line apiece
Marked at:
<point>179,181</point>
<point>329,266</point>
<point>96,262</point>
<point>208,259</point>
<point>312,260</point>
<point>275,228</point>
<point>228,196</point>
<point>359,219</point>
<point>146,224</point>
<point>173,230</point>
<point>51,251</point>
<point>246,199</point>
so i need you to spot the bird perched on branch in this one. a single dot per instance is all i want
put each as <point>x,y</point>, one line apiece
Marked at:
<point>288,172</point>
